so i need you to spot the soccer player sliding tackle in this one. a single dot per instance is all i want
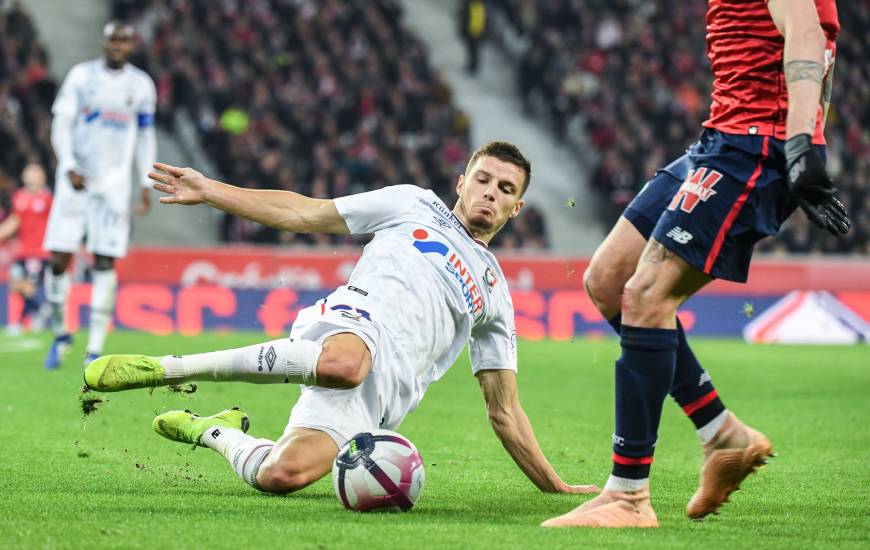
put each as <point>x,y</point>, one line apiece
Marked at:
<point>698,219</point>
<point>425,286</point>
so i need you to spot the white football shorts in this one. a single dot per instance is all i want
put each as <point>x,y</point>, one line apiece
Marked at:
<point>104,219</point>
<point>383,399</point>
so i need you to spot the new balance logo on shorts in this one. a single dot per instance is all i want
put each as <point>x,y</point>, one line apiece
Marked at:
<point>679,235</point>
<point>697,187</point>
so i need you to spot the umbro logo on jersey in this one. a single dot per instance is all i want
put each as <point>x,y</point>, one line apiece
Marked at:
<point>697,187</point>
<point>679,235</point>
<point>442,222</point>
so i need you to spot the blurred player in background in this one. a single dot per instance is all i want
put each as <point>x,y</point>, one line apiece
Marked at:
<point>30,207</point>
<point>761,155</point>
<point>103,119</point>
<point>425,286</point>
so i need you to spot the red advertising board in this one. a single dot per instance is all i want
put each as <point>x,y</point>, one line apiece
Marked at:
<point>264,268</point>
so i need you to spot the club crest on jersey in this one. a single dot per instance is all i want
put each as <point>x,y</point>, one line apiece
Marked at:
<point>490,279</point>
<point>456,267</point>
<point>697,187</point>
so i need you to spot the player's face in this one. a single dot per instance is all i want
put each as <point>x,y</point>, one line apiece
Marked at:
<point>489,194</point>
<point>118,46</point>
<point>33,178</point>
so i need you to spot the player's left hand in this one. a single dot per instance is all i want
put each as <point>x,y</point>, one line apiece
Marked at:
<point>144,205</point>
<point>579,489</point>
<point>183,185</point>
<point>812,188</point>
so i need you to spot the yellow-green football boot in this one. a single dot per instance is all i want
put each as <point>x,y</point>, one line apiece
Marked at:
<point>187,427</point>
<point>124,372</point>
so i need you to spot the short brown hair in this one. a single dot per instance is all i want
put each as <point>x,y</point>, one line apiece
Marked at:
<point>507,152</point>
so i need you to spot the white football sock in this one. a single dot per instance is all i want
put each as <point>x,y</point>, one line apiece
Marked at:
<point>708,430</point>
<point>275,362</point>
<point>56,293</point>
<point>625,485</point>
<point>103,290</point>
<point>244,452</point>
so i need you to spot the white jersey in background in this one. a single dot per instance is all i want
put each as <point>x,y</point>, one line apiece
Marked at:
<point>103,121</point>
<point>422,290</point>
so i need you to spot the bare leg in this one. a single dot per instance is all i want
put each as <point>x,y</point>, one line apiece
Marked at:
<point>612,265</point>
<point>644,372</point>
<point>300,457</point>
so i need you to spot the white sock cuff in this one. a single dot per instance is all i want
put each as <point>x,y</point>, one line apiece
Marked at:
<point>248,457</point>
<point>302,356</point>
<point>708,430</point>
<point>625,485</point>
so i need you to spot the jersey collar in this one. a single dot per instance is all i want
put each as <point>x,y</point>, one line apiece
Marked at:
<point>473,238</point>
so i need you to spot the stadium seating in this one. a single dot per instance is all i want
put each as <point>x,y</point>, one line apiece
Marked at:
<point>26,94</point>
<point>326,101</point>
<point>631,80</point>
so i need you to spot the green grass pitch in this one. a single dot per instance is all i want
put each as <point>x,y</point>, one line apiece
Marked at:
<point>109,481</point>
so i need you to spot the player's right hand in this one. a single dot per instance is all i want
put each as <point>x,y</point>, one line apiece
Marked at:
<point>183,185</point>
<point>77,180</point>
<point>812,188</point>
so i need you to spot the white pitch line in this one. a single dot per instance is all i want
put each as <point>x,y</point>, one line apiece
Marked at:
<point>20,345</point>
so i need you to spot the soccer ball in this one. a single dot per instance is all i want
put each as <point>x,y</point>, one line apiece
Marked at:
<point>378,470</point>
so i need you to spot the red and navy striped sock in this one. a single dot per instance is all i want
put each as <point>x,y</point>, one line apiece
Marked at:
<point>692,388</point>
<point>643,377</point>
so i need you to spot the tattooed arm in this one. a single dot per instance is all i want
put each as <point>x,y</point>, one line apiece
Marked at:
<point>805,70</point>
<point>804,61</point>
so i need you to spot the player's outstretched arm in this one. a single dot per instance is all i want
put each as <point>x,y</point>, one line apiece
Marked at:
<point>808,81</point>
<point>279,209</point>
<point>512,426</point>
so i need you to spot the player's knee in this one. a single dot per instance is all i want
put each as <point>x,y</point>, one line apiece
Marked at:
<point>283,477</point>
<point>646,303</point>
<point>60,262</point>
<point>340,370</point>
<point>104,263</point>
<point>639,295</point>
<point>604,287</point>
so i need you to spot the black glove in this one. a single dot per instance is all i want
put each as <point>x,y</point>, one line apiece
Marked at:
<point>812,188</point>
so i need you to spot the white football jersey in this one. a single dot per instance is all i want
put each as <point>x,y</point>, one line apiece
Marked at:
<point>108,108</point>
<point>432,286</point>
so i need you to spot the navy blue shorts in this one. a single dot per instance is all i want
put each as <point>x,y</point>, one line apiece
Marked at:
<point>714,203</point>
<point>30,269</point>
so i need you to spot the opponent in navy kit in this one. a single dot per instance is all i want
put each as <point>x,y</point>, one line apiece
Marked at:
<point>760,156</point>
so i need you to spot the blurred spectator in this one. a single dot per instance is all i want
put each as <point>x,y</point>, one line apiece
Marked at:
<point>634,77</point>
<point>26,94</point>
<point>324,98</point>
<point>472,27</point>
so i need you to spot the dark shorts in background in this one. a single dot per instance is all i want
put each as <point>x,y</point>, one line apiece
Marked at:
<point>714,203</point>
<point>30,269</point>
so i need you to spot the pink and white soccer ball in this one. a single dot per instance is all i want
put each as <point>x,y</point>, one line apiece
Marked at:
<point>378,470</point>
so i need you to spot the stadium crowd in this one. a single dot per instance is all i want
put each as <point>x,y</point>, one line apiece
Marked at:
<point>631,79</point>
<point>26,94</point>
<point>323,98</point>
